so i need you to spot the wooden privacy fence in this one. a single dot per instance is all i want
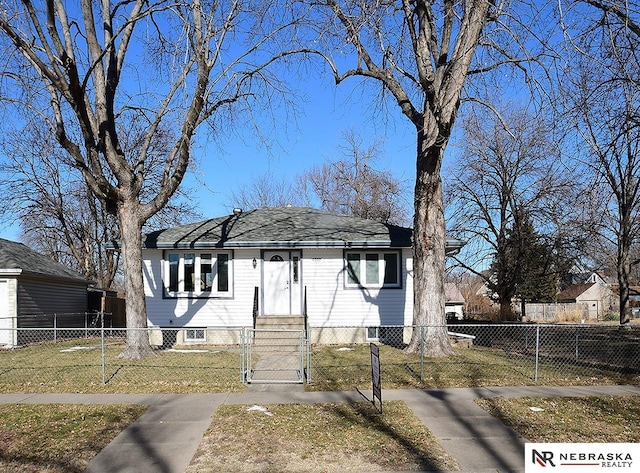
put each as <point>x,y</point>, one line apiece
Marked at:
<point>558,312</point>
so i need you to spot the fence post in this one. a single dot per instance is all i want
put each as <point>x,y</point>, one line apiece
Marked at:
<point>308,355</point>
<point>242,352</point>
<point>55,327</point>
<point>421,353</point>
<point>301,347</point>
<point>537,351</point>
<point>104,379</point>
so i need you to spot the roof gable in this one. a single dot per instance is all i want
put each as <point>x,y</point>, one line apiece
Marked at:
<point>19,258</point>
<point>452,293</point>
<point>281,226</point>
<point>572,292</point>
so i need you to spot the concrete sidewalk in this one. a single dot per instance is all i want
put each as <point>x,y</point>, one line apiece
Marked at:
<point>167,436</point>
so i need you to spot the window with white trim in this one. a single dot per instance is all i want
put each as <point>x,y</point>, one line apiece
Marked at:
<point>372,269</point>
<point>197,274</point>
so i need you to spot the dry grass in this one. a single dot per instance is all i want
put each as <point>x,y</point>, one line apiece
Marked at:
<point>76,366</point>
<point>325,438</point>
<point>570,316</point>
<point>337,369</point>
<point>58,438</point>
<point>588,419</point>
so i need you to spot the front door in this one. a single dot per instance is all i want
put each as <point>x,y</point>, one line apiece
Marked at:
<point>281,283</point>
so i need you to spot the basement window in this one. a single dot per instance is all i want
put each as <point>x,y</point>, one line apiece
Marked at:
<point>377,334</point>
<point>194,335</point>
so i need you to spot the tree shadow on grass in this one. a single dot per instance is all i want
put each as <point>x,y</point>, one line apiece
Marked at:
<point>420,455</point>
<point>26,462</point>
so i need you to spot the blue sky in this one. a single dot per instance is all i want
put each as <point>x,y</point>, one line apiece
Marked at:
<point>328,111</point>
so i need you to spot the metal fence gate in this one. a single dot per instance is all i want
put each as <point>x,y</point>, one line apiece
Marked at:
<point>273,356</point>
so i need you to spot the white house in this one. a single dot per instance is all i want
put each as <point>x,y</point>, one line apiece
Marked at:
<point>454,301</point>
<point>336,270</point>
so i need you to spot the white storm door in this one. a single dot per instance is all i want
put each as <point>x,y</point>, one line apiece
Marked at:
<point>277,284</point>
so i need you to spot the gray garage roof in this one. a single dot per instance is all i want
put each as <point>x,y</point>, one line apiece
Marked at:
<point>281,227</point>
<point>17,259</point>
<point>290,227</point>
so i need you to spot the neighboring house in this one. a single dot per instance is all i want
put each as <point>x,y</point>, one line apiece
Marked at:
<point>32,284</point>
<point>454,301</point>
<point>596,297</point>
<point>340,271</point>
<point>634,297</point>
<point>599,278</point>
<point>579,276</point>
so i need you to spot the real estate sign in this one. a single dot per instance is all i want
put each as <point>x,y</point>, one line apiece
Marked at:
<point>375,375</point>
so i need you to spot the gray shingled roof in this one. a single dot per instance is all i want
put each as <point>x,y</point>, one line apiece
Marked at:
<point>278,227</point>
<point>18,258</point>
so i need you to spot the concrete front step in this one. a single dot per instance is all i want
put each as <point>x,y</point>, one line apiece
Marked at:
<point>277,341</point>
<point>286,322</point>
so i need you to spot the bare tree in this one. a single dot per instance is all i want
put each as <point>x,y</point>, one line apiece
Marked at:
<point>59,215</point>
<point>267,190</point>
<point>81,67</point>
<point>509,176</point>
<point>476,303</point>
<point>350,185</point>
<point>353,186</point>
<point>421,53</point>
<point>605,111</point>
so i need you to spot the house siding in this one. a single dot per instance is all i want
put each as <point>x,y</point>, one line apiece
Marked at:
<point>598,300</point>
<point>233,311</point>
<point>8,311</point>
<point>329,303</point>
<point>40,296</point>
<point>10,307</point>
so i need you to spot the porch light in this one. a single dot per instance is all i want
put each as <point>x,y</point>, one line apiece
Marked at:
<point>254,263</point>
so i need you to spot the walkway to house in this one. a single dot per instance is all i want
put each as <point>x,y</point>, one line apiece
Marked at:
<point>167,436</point>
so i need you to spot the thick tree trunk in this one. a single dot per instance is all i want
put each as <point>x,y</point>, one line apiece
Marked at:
<point>137,337</point>
<point>506,311</point>
<point>429,257</point>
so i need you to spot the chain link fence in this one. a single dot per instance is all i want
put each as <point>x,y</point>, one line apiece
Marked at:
<point>204,359</point>
<point>89,360</point>
<point>485,355</point>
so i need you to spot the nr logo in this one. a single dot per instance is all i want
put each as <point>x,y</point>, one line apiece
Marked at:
<point>542,458</point>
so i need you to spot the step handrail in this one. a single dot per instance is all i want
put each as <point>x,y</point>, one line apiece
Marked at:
<point>255,305</point>
<point>304,314</point>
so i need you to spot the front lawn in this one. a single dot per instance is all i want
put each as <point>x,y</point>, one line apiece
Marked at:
<point>77,366</point>
<point>575,420</point>
<point>338,437</point>
<point>58,438</point>
<point>339,368</point>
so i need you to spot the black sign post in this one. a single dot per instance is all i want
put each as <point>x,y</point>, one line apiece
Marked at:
<point>375,375</point>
